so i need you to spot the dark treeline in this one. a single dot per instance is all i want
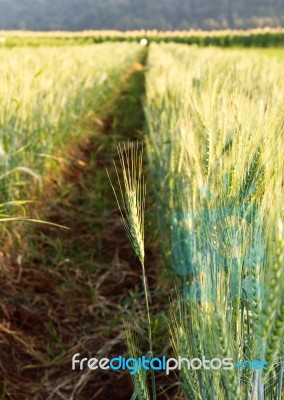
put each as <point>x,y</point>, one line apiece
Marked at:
<point>77,15</point>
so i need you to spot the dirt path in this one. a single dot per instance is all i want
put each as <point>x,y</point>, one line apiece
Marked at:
<point>70,290</point>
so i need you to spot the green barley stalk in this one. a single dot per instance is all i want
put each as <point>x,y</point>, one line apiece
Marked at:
<point>273,287</point>
<point>275,339</point>
<point>139,379</point>
<point>189,377</point>
<point>181,345</point>
<point>274,325</point>
<point>270,325</point>
<point>230,378</point>
<point>131,202</point>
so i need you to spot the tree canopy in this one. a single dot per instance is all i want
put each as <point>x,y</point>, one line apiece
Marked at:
<point>76,15</point>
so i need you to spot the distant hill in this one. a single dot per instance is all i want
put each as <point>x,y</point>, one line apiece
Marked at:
<point>138,14</point>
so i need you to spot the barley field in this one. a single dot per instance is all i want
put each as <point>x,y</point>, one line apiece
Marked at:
<point>44,94</point>
<point>142,214</point>
<point>215,149</point>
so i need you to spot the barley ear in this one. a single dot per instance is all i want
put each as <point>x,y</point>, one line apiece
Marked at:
<point>181,346</point>
<point>131,194</point>
<point>139,379</point>
<point>275,340</point>
<point>274,286</point>
<point>231,380</point>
